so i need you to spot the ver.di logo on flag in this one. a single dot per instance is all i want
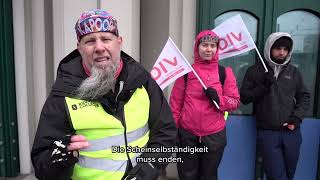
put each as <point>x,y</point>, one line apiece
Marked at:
<point>234,37</point>
<point>170,65</point>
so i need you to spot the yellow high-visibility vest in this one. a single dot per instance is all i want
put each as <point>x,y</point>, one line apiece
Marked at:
<point>105,158</point>
<point>226,114</point>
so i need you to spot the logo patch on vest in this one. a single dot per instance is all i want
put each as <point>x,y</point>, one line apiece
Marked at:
<point>84,104</point>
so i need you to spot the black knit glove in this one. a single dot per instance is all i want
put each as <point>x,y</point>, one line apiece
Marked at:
<point>60,155</point>
<point>269,78</point>
<point>131,177</point>
<point>143,171</point>
<point>212,94</point>
<point>263,87</point>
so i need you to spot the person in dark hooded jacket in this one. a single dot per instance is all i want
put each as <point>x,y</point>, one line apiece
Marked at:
<point>280,102</point>
<point>201,123</point>
<point>104,109</point>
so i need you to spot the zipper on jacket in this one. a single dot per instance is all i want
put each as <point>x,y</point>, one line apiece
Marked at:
<point>123,120</point>
<point>121,83</point>
<point>201,119</point>
<point>283,68</point>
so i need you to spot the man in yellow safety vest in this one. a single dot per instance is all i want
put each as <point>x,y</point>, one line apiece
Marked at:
<point>105,117</point>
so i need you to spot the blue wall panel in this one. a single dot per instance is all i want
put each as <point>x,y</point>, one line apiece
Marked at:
<point>309,151</point>
<point>238,160</point>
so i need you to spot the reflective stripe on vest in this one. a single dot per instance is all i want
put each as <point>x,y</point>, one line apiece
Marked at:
<point>107,143</point>
<point>226,114</point>
<point>106,164</point>
<point>103,131</point>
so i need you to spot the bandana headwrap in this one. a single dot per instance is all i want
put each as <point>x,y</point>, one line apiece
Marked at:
<point>95,20</point>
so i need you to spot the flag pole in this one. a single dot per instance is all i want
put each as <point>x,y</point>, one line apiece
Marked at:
<point>201,82</point>
<point>264,65</point>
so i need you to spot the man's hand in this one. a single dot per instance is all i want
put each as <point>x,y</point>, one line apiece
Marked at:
<point>143,171</point>
<point>293,122</point>
<point>77,142</point>
<point>65,151</point>
<point>269,78</point>
<point>262,88</point>
<point>290,126</point>
<point>131,178</point>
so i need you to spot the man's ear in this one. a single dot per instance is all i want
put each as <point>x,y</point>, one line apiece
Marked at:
<point>78,47</point>
<point>120,41</point>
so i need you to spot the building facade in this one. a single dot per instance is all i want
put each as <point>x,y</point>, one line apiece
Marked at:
<point>36,34</point>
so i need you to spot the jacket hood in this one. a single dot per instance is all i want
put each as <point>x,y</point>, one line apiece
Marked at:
<point>267,48</point>
<point>70,74</point>
<point>197,58</point>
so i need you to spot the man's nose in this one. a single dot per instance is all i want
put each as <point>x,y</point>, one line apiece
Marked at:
<point>282,51</point>
<point>99,47</point>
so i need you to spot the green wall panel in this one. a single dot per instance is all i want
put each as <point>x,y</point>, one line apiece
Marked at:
<point>9,152</point>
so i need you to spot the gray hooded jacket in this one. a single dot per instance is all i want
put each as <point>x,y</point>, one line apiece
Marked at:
<point>267,52</point>
<point>284,101</point>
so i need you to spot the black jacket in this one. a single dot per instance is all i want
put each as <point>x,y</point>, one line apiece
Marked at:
<point>54,123</point>
<point>279,96</point>
<point>287,97</point>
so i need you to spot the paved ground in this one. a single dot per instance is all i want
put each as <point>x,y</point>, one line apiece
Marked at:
<point>171,174</point>
<point>21,177</point>
<point>31,177</point>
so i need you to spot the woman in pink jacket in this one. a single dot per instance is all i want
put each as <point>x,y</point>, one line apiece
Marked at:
<point>200,122</point>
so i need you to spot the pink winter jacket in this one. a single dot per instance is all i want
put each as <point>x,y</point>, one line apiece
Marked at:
<point>192,109</point>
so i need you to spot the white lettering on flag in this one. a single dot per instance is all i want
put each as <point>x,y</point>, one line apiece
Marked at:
<point>234,37</point>
<point>170,65</point>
